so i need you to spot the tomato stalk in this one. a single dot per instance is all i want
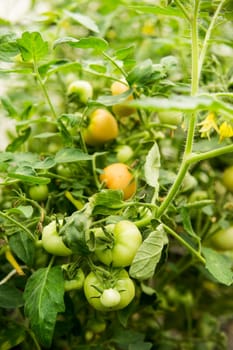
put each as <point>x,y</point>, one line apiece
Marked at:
<point>18,224</point>
<point>184,243</point>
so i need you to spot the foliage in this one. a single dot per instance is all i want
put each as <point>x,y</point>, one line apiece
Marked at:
<point>172,56</point>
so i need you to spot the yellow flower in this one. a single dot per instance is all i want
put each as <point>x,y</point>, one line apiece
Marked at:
<point>225,130</point>
<point>207,125</point>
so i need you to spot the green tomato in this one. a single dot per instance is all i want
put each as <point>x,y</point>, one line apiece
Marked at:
<point>124,153</point>
<point>76,283</point>
<point>64,170</point>
<point>170,117</point>
<point>125,241</point>
<point>39,193</point>
<point>103,292</point>
<point>52,242</point>
<point>82,89</point>
<point>227,178</point>
<point>223,239</point>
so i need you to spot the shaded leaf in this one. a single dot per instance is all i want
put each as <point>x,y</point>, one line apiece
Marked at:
<point>43,297</point>
<point>106,202</point>
<point>10,296</point>
<point>23,246</point>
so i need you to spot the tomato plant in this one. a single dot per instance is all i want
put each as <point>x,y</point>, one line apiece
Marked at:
<point>102,128</point>
<point>122,242</point>
<point>118,176</point>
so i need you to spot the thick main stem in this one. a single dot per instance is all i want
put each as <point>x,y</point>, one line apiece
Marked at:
<point>192,121</point>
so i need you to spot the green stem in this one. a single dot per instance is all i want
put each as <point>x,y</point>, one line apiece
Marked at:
<point>192,122</point>
<point>207,37</point>
<point>194,158</point>
<point>183,9</point>
<point>173,190</point>
<point>184,243</point>
<point>115,64</point>
<point>45,92</point>
<point>18,224</point>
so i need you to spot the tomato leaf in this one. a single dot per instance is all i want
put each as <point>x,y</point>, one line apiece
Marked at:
<point>218,265</point>
<point>23,246</point>
<point>10,296</point>
<point>83,20</point>
<point>106,202</point>
<point>83,43</point>
<point>43,297</point>
<point>157,10</point>
<point>68,155</point>
<point>152,166</point>
<point>8,47</point>
<point>32,46</point>
<point>74,231</point>
<point>148,255</point>
<point>19,141</point>
<point>11,335</point>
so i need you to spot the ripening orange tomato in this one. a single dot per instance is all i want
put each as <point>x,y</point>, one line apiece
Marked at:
<point>120,109</point>
<point>103,127</point>
<point>118,176</point>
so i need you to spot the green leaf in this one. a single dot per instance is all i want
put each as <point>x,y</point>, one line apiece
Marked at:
<point>43,297</point>
<point>157,10</point>
<point>74,230</point>
<point>9,107</point>
<point>11,335</point>
<point>25,210</point>
<point>106,202</point>
<point>28,174</point>
<point>112,100</point>
<point>8,47</point>
<point>122,54</point>
<point>183,103</point>
<point>46,163</point>
<point>68,155</point>
<point>148,255</point>
<point>10,296</point>
<point>23,246</point>
<point>32,46</point>
<point>83,20</point>
<point>152,166</point>
<point>20,140</point>
<point>218,265</point>
<point>84,43</point>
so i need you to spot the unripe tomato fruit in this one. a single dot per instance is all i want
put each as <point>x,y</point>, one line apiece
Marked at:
<point>95,285</point>
<point>102,128</point>
<point>170,117</point>
<point>117,176</point>
<point>82,89</point>
<point>223,239</point>
<point>126,239</point>
<point>76,282</point>
<point>52,242</point>
<point>39,193</point>
<point>120,109</point>
<point>124,153</point>
<point>110,298</point>
<point>227,178</point>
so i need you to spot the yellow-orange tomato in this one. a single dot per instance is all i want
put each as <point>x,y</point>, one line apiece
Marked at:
<point>117,176</point>
<point>119,109</point>
<point>102,128</point>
